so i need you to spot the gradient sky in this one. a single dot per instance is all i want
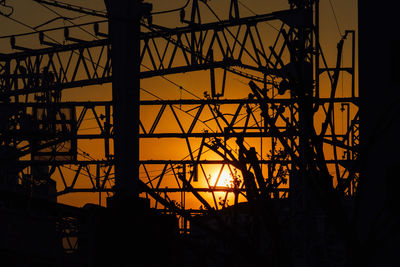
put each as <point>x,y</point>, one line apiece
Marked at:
<point>33,14</point>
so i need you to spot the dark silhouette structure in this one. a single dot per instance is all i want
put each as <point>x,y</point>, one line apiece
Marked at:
<point>377,218</point>
<point>291,145</point>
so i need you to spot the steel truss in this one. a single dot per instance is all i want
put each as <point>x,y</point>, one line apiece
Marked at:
<point>280,113</point>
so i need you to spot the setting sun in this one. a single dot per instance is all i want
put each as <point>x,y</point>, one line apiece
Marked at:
<point>224,177</point>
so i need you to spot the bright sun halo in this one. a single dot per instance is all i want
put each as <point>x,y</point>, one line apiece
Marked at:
<point>225,179</point>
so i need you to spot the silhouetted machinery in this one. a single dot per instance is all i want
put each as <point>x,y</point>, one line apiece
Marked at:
<point>290,201</point>
<point>46,130</point>
<point>30,137</point>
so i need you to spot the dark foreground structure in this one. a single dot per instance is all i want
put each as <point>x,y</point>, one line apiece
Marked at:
<point>308,194</point>
<point>377,223</point>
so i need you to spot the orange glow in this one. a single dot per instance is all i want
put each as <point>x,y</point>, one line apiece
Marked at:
<point>172,89</point>
<point>223,179</point>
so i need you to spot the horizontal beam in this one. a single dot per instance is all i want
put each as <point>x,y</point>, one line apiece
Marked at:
<point>193,135</point>
<point>157,162</point>
<point>87,104</point>
<point>177,135</point>
<point>210,190</point>
<point>53,50</point>
<point>214,135</point>
<point>220,162</point>
<point>244,101</point>
<point>181,102</point>
<point>252,20</point>
<point>169,190</point>
<point>65,162</point>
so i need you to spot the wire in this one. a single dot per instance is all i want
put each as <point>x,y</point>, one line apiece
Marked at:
<point>59,15</point>
<point>49,30</point>
<point>150,93</point>
<point>171,10</point>
<point>17,21</point>
<point>75,8</point>
<point>254,13</point>
<point>336,20</point>
<point>35,30</point>
<point>174,83</point>
<point>3,3</point>
<point>66,18</point>
<point>50,21</point>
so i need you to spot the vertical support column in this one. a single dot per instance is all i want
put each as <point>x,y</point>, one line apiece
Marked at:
<point>234,10</point>
<point>378,135</point>
<point>107,131</point>
<point>301,42</point>
<point>124,31</point>
<point>353,63</point>
<point>316,46</point>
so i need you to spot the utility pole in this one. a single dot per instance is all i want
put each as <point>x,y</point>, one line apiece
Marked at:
<point>124,30</point>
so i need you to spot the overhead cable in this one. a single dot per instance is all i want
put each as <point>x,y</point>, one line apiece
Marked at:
<point>171,10</point>
<point>255,14</point>
<point>79,9</point>
<point>59,15</point>
<point>336,20</point>
<point>3,3</point>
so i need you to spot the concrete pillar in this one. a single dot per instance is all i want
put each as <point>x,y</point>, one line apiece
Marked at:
<point>124,31</point>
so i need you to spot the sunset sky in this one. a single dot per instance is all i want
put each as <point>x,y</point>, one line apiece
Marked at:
<point>336,16</point>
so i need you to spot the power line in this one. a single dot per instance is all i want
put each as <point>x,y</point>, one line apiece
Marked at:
<point>171,10</point>
<point>75,8</point>
<point>59,15</point>
<point>150,93</point>
<point>51,29</point>
<point>3,3</point>
<point>255,14</point>
<point>336,20</point>
<point>50,21</point>
<point>17,21</point>
<point>174,83</point>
